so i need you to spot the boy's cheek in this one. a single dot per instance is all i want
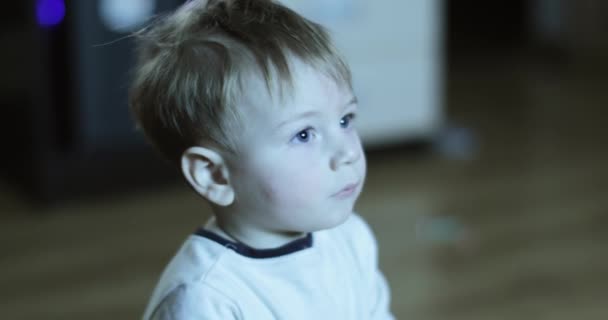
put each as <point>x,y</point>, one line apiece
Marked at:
<point>298,188</point>
<point>363,164</point>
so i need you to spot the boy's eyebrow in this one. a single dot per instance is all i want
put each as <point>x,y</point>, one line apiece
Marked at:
<point>303,115</point>
<point>353,100</point>
<point>309,114</point>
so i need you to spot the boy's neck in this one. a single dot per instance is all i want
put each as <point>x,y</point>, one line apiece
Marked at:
<point>249,236</point>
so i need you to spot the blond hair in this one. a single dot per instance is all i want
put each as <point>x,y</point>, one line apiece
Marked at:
<point>191,65</point>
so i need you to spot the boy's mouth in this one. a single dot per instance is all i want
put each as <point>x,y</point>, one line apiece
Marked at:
<point>348,190</point>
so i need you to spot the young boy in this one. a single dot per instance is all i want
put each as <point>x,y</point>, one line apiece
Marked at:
<point>255,106</point>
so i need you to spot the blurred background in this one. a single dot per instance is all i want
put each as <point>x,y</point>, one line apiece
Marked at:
<point>484,124</point>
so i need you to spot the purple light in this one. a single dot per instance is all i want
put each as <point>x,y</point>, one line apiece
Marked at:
<point>50,12</point>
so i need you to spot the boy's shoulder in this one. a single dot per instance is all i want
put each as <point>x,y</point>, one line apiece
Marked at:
<point>195,259</point>
<point>186,302</point>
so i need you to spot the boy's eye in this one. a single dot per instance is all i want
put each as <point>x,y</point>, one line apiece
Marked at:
<point>346,120</point>
<point>303,136</point>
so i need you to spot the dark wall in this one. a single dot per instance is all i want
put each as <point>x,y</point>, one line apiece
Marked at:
<point>65,126</point>
<point>486,25</point>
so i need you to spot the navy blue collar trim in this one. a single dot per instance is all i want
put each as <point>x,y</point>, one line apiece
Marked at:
<point>243,249</point>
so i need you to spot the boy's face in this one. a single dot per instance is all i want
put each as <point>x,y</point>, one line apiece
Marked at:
<point>301,165</point>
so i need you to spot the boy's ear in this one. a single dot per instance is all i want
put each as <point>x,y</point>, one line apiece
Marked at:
<point>207,172</point>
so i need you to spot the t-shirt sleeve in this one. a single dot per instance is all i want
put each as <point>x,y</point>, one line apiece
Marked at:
<point>376,283</point>
<point>198,303</point>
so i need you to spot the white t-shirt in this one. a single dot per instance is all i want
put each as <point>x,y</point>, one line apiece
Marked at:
<point>330,274</point>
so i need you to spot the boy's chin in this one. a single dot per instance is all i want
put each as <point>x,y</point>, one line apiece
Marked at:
<point>335,220</point>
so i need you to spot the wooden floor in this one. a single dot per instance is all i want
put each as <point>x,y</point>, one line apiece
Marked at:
<point>506,217</point>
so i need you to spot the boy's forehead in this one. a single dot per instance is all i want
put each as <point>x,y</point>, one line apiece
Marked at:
<point>307,87</point>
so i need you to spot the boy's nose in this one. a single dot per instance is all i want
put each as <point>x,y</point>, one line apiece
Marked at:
<point>347,153</point>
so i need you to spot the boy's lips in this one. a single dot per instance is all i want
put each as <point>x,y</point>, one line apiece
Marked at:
<point>348,190</point>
